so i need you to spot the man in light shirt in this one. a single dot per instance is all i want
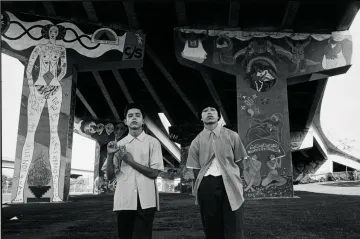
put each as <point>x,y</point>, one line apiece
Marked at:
<point>214,156</point>
<point>136,161</point>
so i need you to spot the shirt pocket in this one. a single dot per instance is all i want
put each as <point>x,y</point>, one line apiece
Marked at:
<point>145,155</point>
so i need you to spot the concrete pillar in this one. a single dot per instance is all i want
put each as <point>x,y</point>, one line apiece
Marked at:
<point>53,54</point>
<point>264,63</point>
<point>43,152</point>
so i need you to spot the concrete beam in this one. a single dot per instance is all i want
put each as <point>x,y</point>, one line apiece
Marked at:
<point>106,94</point>
<point>87,105</point>
<point>131,14</point>
<point>171,80</point>
<point>164,140</point>
<point>153,93</point>
<point>214,94</point>
<point>181,13</point>
<point>90,11</point>
<point>290,14</point>
<point>122,85</point>
<point>234,12</point>
<point>49,8</point>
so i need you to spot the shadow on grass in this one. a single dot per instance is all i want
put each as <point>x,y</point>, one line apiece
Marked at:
<point>343,184</point>
<point>312,215</point>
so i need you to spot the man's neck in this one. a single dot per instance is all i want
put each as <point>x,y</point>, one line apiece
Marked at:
<point>211,126</point>
<point>135,132</point>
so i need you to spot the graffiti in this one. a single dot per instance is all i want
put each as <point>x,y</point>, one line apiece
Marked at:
<point>303,170</point>
<point>99,131</point>
<point>268,128</point>
<point>105,36</point>
<point>333,56</point>
<point>100,128</point>
<point>264,100</point>
<point>22,35</point>
<point>133,52</point>
<point>48,78</point>
<point>254,148</point>
<point>298,56</point>
<point>223,51</point>
<point>109,128</point>
<point>250,105</point>
<point>45,89</point>
<point>273,178</point>
<point>261,74</point>
<point>252,174</point>
<point>134,46</point>
<point>40,173</point>
<point>193,49</point>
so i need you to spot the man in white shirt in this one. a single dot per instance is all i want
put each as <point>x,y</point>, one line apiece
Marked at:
<point>136,162</point>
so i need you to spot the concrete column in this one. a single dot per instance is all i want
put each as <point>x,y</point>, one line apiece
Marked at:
<point>264,63</point>
<point>43,152</point>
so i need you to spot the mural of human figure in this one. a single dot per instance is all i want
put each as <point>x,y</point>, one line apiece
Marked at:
<point>273,178</point>
<point>333,56</point>
<point>252,174</point>
<point>45,89</point>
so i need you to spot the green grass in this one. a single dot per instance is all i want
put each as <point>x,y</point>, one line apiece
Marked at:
<point>312,215</point>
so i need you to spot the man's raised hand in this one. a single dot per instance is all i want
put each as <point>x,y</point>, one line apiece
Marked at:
<point>112,147</point>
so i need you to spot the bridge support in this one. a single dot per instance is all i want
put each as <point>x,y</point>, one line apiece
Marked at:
<point>264,63</point>
<point>53,53</point>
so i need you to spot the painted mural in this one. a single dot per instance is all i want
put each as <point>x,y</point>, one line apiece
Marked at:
<point>264,55</point>
<point>48,100</point>
<point>103,131</point>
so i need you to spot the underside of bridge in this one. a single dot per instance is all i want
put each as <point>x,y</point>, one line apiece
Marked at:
<point>176,87</point>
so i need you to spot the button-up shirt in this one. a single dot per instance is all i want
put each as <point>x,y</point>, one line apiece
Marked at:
<point>146,150</point>
<point>214,165</point>
<point>228,149</point>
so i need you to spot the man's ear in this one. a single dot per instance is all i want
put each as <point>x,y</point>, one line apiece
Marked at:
<point>125,122</point>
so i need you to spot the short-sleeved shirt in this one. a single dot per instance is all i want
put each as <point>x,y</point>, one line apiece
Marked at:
<point>225,145</point>
<point>145,150</point>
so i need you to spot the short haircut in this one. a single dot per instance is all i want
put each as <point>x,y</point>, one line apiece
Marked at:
<point>206,104</point>
<point>134,106</point>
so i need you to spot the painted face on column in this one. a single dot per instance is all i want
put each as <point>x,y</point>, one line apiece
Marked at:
<point>209,115</point>
<point>53,32</point>
<point>120,129</point>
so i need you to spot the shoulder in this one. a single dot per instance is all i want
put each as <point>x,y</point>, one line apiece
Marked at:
<point>229,132</point>
<point>151,139</point>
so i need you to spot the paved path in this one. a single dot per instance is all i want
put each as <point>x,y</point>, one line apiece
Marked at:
<point>338,188</point>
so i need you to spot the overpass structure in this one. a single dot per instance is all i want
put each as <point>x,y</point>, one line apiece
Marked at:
<point>265,63</point>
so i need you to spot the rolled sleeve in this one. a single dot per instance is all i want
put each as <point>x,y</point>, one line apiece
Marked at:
<point>156,158</point>
<point>239,149</point>
<point>193,155</point>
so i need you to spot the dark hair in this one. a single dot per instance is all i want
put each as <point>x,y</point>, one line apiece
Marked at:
<point>61,33</point>
<point>209,104</point>
<point>134,106</point>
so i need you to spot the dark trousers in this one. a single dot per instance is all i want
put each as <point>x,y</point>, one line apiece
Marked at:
<point>135,224</point>
<point>218,220</point>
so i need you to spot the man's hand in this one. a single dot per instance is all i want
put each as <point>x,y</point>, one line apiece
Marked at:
<point>128,158</point>
<point>112,148</point>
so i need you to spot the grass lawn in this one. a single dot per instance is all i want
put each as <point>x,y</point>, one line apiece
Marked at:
<point>309,215</point>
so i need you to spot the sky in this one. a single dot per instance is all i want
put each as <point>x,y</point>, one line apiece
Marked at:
<point>340,114</point>
<point>340,111</point>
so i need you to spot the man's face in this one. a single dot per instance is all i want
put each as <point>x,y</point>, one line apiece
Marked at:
<point>134,119</point>
<point>209,115</point>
